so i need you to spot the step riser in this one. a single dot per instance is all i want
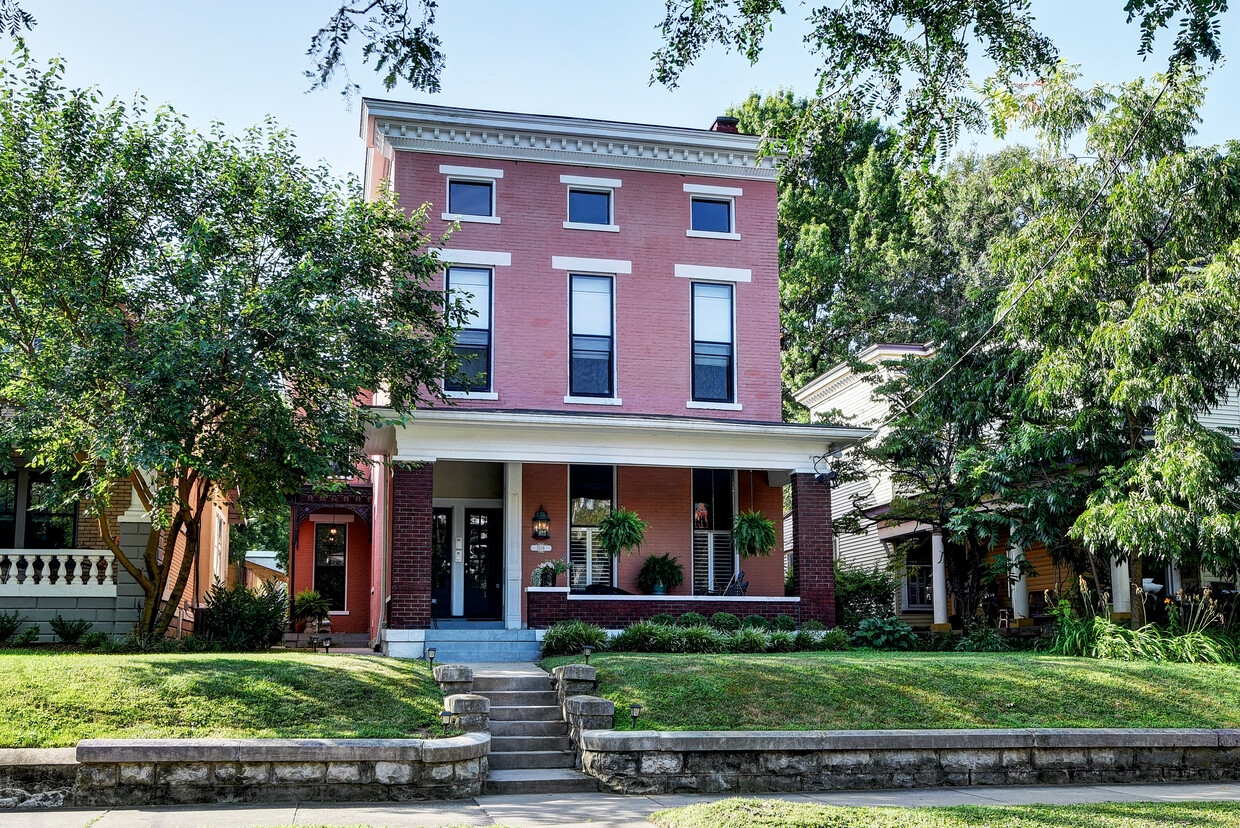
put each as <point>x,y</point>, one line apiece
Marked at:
<point>577,783</point>
<point>511,684</point>
<point>526,714</point>
<point>521,744</point>
<point>474,655</point>
<point>522,761</point>
<point>520,698</point>
<point>502,729</point>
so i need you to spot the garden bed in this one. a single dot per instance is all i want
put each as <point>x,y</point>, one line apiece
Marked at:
<point>55,699</point>
<point>878,690</point>
<point>770,813</point>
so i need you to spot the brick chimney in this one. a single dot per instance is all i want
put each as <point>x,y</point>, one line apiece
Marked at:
<point>725,124</point>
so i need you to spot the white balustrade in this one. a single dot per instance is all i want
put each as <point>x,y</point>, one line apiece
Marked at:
<point>57,572</point>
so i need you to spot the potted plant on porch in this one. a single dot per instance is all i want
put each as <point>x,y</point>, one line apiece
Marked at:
<point>660,573</point>
<point>753,534</point>
<point>621,530</point>
<point>313,609</point>
<point>545,574</point>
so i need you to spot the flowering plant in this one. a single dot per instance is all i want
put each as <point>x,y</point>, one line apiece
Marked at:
<point>546,572</point>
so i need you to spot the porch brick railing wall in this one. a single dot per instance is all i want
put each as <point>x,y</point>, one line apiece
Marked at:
<point>547,605</point>
<point>412,500</point>
<point>813,561</point>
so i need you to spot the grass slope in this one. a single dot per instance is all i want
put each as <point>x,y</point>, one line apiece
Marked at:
<point>870,690</point>
<point>55,699</point>
<point>752,813</point>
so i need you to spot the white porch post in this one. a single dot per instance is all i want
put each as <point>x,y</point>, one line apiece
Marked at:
<point>1176,581</point>
<point>1020,587</point>
<point>514,537</point>
<point>1121,599</point>
<point>939,565</point>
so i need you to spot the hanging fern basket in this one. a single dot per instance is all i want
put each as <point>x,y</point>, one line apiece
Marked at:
<point>753,534</point>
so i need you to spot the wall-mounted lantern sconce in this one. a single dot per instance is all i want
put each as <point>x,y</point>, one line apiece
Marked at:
<point>541,524</point>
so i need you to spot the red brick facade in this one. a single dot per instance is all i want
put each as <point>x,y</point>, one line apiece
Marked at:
<point>813,560</point>
<point>412,497</point>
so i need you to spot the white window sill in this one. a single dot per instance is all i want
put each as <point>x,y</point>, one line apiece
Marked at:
<point>475,219</point>
<point>571,400</point>
<point>706,234</point>
<point>713,406</point>
<point>601,228</point>
<point>472,395</point>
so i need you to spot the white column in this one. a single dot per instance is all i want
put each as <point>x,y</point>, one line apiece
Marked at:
<point>1120,587</point>
<point>1020,587</point>
<point>939,564</point>
<point>514,537</point>
<point>1176,582</point>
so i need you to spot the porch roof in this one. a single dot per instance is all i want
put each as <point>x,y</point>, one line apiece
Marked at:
<point>626,440</point>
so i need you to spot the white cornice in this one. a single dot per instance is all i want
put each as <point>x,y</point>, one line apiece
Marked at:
<point>557,140</point>
<point>831,382</point>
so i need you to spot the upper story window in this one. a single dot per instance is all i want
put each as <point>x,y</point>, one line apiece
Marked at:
<point>712,211</point>
<point>591,203</point>
<point>471,286</point>
<point>713,343</point>
<point>471,193</point>
<point>592,339</point>
<point>31,515</point>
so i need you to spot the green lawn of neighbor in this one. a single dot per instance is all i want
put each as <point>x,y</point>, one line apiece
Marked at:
<point>770,813</point>
<point>875,690</point>
<point>51,699</point>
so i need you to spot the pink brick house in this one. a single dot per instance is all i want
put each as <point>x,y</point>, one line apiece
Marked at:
<point>624,351</point>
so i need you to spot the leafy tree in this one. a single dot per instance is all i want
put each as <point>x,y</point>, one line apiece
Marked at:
<point>910,57</point>
<point>264,531</point>
<point>192,315</point>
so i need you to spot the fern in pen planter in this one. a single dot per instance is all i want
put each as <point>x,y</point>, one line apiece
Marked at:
<point>621,531</point>
<point>753,534</point>
<point>660,573</point>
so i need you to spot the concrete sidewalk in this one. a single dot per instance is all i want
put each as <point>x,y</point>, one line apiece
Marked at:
<point>569,810</point>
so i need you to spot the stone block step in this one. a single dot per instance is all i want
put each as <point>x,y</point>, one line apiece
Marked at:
<point>505,729</point>
<point>519,698</point>
<point>483,684</point>
<point>522,744</point>
<point>504,713</point>
<point>442,636</point>
<point>539,781</point>
<point>532,759</point>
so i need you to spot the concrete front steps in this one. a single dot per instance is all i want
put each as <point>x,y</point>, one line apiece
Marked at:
<point>530,749</point>
<point>455,645</point>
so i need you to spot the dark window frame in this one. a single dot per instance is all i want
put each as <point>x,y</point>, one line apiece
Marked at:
<point>343,567</point>
<point>730,398</point>
<point>23,480</point>
<point>727,200</point>
<point>454,383</point>
<point>481,182</point>
<point>611,340</point>
<point>611,204</point>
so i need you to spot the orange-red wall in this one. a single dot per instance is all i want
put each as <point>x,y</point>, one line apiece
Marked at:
<point>357,572</point>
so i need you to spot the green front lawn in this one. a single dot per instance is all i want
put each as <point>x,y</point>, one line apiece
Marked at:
<point>50,699</point>
<point>873,690</point>
<point>769,813</point>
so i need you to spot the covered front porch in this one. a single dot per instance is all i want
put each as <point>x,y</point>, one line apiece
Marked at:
<point>466,487</point>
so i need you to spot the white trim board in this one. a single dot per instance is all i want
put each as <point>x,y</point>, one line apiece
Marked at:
<point>476,172</point>
<point>585,265</point>
<point>589,181</point>
<point>711,190</point>
<point>491,258</point>
<point>714,274</point>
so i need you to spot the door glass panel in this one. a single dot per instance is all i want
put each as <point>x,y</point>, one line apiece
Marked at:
<point>478,544</point>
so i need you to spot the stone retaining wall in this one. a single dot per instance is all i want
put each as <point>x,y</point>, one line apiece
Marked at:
<point>160,771</point>
<point>646,762</point>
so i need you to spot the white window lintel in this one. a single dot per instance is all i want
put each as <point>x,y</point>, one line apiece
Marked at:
<point>588,181</point>
<point>493,258</point>
<point>471,172</point>
<point>591,265</point>
<point>712,190</point>
<point>713,274</point>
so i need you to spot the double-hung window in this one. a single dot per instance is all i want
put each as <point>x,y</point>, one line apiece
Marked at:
<point>330,545</point>
<point>591,493</point>
<point>714,559</point>
<point>593,342</point>
<point>712,211</point>
<point>471,286</point>
<point>591,203</point>
<point>32,515</point>
<point>471,193</point>
<point>713,343</point>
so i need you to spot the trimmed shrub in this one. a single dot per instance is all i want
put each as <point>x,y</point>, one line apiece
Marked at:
<point>662,618</point>
<point>725,622</point>
<point>28,636</point>
<point>981,639</point>
<point>692,619</point>
<point>702,639</point>
<point>95,640</point>
<point>884,634</point>
<point>861,594</point>
<point>785,622</point>
<point>781,642</point>
<point>10,622</point>
<point>645,637</point>
<point>813,625</point>
<point>240,619</point>
<point>756,622</point>
<point>70,632</point>
<point>834,640</point>
<point>568,637</point>
<point>804,642</point>
<point>747,640</point>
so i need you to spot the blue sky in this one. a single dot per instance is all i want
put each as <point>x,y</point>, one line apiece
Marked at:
<point>237,62</point>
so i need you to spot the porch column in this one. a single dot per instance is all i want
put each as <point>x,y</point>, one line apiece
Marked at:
<point>939,566</point>
<point>1121,588</point>
<point>514,537</point>
<point>412,497</point>
<point>1020,587</point>
<point>1175,580</point>
<point>812,560</point>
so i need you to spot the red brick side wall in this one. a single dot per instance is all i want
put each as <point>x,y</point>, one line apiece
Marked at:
<point>357,570</point>
<point>412,498</point>
<point>546,608</point>
<point>812,560</point>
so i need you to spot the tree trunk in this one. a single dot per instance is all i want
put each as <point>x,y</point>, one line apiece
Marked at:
<point>1137,602</point>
